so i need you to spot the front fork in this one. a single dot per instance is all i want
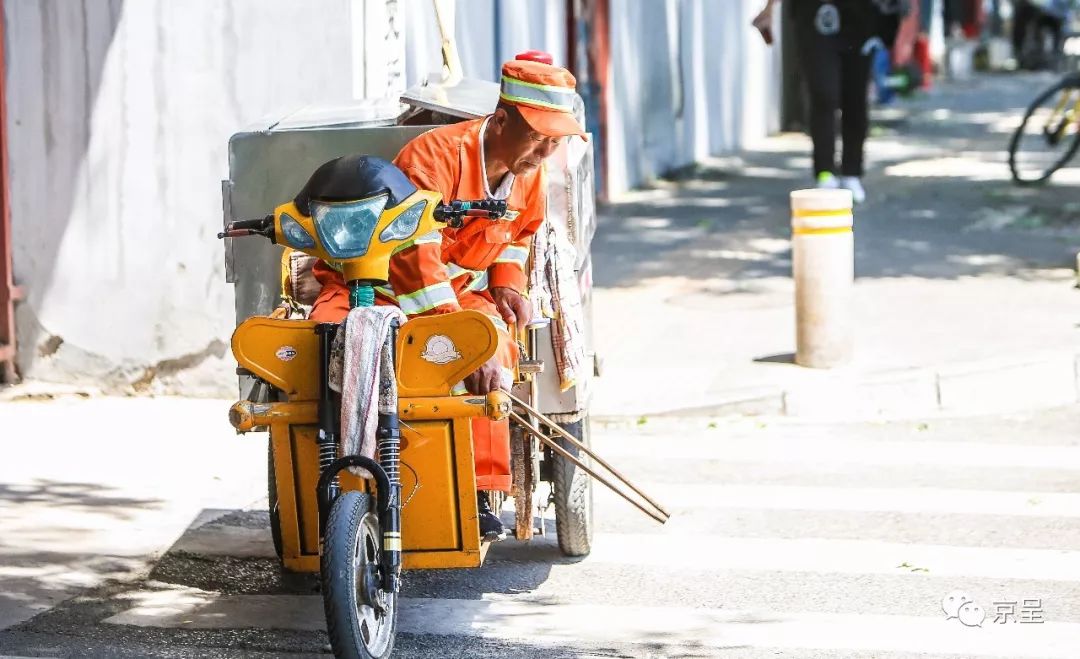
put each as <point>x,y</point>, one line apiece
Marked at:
<point>386,472</point>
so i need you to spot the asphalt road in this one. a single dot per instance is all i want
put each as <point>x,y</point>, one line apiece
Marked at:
<point>794,539</point>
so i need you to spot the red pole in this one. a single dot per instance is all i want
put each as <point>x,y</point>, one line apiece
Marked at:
<point>9,293</point>
<point>601,68</point>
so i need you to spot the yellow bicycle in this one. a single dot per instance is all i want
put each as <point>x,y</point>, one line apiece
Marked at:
<point>1049,135</point>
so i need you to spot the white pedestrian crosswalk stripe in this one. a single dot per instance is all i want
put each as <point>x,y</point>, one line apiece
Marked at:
<point>531,622</point>
<point>542,614</point>
<point>706,552</point>
<point>835,452</point>
<point>900,500</point>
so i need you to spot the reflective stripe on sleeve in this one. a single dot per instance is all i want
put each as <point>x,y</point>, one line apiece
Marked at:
<point>456,271</point>
<point>515,254</point>
<point>429,238</point>
<point>500,324</point>
<point>427,298</point>
<point>480,283</point>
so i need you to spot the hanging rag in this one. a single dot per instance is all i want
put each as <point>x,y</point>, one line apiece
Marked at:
<point>367,381</point>
<point>554,287</point>
<point>568,326</point>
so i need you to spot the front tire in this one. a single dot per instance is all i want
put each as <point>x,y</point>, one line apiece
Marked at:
<point>349,570</point>
<point>572,491</point>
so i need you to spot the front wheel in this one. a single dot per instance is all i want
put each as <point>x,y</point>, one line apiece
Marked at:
<point>361,619</point>
<point>572,491</point>
<point>1048,136</point>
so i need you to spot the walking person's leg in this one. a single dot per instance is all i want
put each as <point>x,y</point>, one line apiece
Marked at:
<point>820,65</point>
<point>854,118</point>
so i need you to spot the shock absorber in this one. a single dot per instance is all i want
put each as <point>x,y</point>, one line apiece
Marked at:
<point>328,422</point>
<point>389,443</point>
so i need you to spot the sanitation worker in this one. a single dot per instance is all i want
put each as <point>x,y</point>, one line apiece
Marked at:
<point>480,266</point>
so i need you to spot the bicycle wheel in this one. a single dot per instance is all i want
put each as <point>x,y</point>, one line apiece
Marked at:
<point>1049,134</point>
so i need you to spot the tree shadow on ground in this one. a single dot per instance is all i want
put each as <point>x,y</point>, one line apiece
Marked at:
<point>80,497</point>
<point>941,204</point>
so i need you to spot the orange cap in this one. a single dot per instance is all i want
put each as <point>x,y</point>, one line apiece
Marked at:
<point>544,94</point>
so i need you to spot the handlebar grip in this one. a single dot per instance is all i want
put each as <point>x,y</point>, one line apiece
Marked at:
<point>456,209</point>
<point>261,223</point>
<point>263,226</point>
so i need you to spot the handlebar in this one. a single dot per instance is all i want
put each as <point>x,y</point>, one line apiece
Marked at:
<point>261,227</point>
<point>454,212</point>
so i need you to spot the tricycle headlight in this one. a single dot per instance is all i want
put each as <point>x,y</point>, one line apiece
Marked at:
<point>345,229</point>
<point>405,224</point>
<point>295,235</point>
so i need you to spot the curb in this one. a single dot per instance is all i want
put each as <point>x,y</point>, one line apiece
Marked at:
<point>984,387</point>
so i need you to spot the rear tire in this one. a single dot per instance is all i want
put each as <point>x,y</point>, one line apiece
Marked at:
<point>572,491</point>
<point>1036,153</point>
<point>353,544</point>
<point>272,499</point>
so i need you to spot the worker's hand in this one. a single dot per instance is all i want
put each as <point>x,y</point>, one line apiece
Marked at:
<point>305,286</point>
<point>485,379</point>
<point>763,23</point>
<point>512,306</point>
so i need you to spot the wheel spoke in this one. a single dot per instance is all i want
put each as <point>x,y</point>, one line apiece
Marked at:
<point>353,537</point>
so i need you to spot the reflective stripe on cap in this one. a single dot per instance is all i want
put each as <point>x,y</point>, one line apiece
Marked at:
<point>545,96</point>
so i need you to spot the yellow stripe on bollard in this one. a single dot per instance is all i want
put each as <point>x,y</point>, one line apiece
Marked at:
<point>812,231</point>
<point>839,212</point>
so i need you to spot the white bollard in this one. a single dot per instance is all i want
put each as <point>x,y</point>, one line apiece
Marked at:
<point>823,266</point>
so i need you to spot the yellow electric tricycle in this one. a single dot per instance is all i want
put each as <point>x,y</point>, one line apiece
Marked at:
<point>415,506</point>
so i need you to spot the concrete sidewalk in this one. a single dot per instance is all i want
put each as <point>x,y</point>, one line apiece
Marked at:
<point>964,295</point>
<point>91,491</point>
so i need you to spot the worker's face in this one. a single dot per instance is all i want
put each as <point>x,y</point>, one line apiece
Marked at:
<point>521,148</point>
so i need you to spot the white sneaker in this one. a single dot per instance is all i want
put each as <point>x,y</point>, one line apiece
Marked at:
<point>858,194</point>
<point>826,181</point>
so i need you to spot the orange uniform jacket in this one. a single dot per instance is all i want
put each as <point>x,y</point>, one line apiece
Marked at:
<point>452,269</point>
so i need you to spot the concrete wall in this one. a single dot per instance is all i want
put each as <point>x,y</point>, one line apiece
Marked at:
<point>488,32</point>
<point>689,79</point>
<point>119,115</point>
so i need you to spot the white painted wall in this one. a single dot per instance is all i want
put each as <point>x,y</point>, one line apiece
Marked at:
<point>488,32</point>
<point>119,115</point>
<point>689,79</point>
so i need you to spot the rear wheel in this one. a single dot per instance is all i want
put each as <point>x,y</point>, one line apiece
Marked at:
<point>572,491</point>
<point>272,498</point>
<point>361,619</point>
<point>1048,136</point>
